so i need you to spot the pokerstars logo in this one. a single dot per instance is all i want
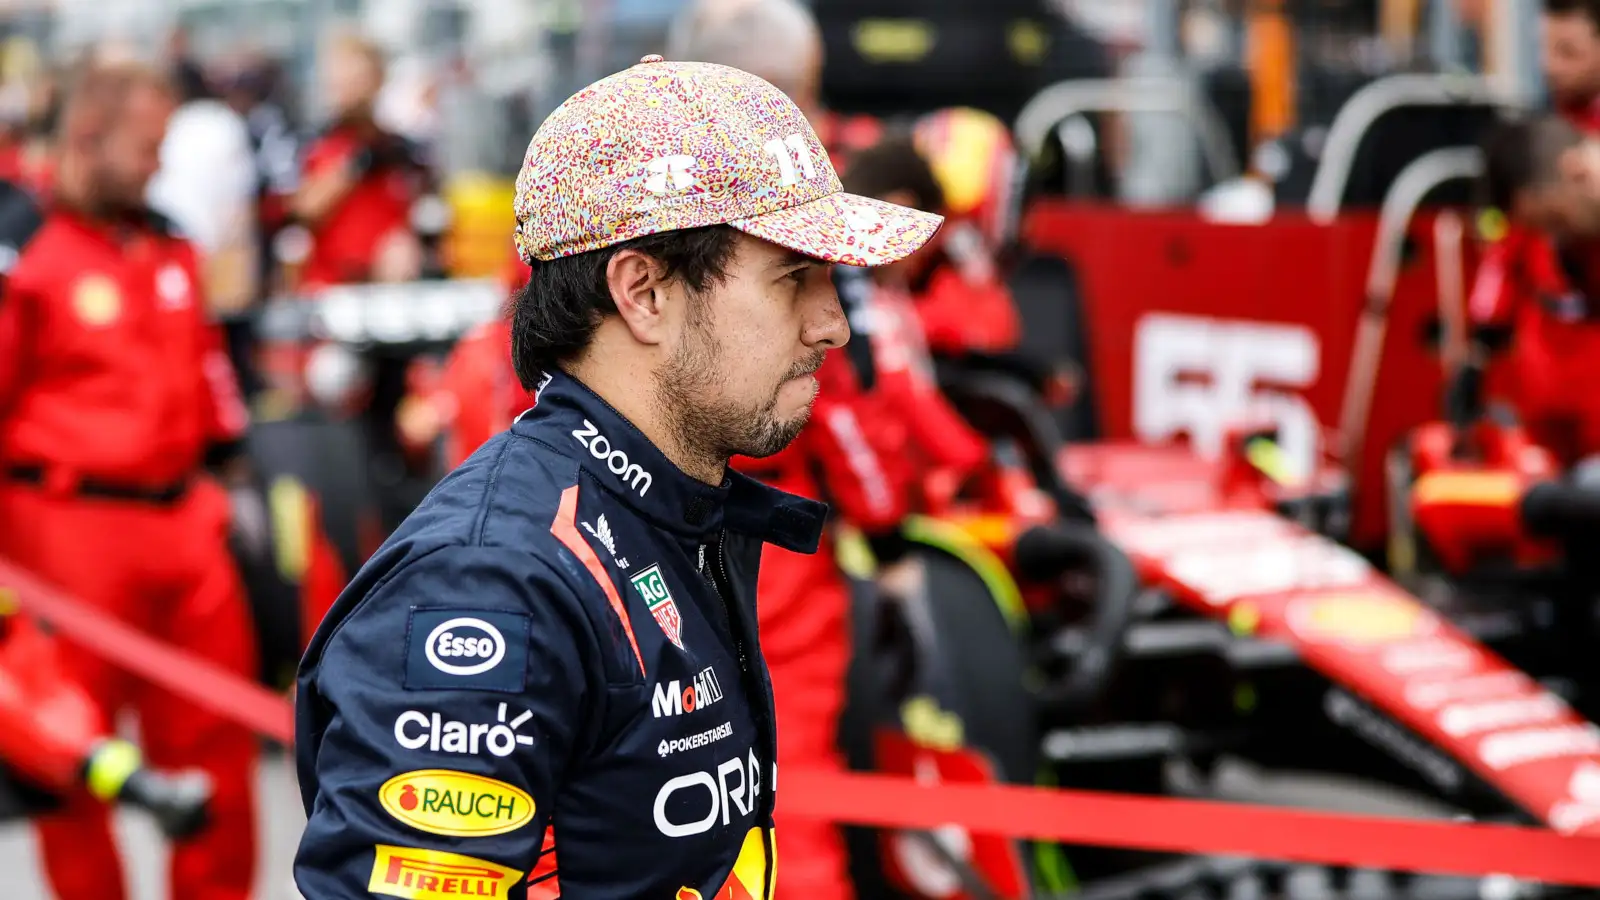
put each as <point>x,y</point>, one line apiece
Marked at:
<point>415,730</point>
<point>675,698</point>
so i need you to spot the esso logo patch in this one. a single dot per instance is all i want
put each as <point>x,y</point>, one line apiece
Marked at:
<point>465,646</point>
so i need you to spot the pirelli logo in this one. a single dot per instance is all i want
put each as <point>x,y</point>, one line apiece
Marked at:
<point>418,874</point>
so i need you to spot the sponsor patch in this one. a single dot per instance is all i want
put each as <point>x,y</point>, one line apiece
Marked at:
<point>417,730</point>
<point>1361,619</point>
<point>417,874</point>
<point>96,300</point>
<point>653,588</point>
<point>695,741</point>
<point>466,649</point>
<point>1581,807</point>
<point>1506,749</point>
<point>455,804</point>
<point>748,880</point>
<point>674,698</point>
<point>694,803</point>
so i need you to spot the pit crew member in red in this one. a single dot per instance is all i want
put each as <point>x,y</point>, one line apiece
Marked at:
<point>552,666</point>
<point>114,391</point>
<point>359,181</point>
<point>1571,59</point>
<point>1532,296</point>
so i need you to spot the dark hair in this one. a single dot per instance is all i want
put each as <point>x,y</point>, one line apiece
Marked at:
<point>554,316</point>
<point>894,164</point>
<point>1589,9</point>
<point>1522,154</point>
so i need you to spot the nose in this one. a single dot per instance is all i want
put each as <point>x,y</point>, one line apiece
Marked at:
<point>826,326</point>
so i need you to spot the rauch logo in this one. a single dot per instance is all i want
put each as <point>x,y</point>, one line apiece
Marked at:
<point>457,804</point>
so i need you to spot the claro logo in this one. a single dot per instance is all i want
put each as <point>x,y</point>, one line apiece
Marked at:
<point>599,446</point>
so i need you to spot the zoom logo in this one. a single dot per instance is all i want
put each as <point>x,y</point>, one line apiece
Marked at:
<point>599,446</point>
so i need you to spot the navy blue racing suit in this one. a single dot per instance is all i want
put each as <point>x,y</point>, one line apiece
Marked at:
<point>547,681</point>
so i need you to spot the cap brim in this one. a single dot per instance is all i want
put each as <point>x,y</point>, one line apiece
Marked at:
<point>846,228</point>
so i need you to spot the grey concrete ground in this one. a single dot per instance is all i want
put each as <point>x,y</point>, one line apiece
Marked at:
<point>144,853</point>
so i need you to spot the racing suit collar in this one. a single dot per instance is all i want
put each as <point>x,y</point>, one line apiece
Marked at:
<point>580,424</point>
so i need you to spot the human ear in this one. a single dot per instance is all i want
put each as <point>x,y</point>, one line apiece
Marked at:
<point>638,290</point>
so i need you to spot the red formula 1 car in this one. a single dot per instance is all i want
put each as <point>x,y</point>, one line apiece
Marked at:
<point>1191,619</point>
<point>1199,627</point>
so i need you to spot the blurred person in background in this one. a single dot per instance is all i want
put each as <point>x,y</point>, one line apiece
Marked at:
<point>26,159</point>
<point>930,432</point>
<point>249,83</point>
<point>840,456</point>
<point>961,161</point>
<point>115,397</point>
<point>479,395</point>
<point>1571,59</point>
<point>358,181</point>
<point>1532,298</point>
<point>730,32</point>
<point>207,186</point>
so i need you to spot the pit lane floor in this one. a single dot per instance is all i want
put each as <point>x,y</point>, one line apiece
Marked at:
<point>144,851</point>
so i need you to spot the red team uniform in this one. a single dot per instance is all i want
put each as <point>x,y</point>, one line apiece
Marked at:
<point>346,242</point>
<point>113,391</point>
<point>1553,364</point>
<point>1541,293</point>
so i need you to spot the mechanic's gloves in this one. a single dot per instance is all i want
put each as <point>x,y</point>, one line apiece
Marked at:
<point>115,771</point>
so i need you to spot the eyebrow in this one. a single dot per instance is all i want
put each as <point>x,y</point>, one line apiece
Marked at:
<point>792,258</point>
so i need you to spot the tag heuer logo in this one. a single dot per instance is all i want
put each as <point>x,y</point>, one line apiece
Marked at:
<point>653,588</point>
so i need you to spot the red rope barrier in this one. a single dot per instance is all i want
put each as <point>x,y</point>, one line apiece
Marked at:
<point>1048,814</point>
<point>206,684</point>
<point>1195,826</point>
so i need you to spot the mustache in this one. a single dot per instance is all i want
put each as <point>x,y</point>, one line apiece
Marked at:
<point>805,367</point>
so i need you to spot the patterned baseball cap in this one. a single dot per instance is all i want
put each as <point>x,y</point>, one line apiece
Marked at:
<point>669,145</point>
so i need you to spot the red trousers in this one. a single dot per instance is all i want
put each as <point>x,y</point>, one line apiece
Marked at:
<point>166,570</point>
<point>804,615</point>
<point>48,724</point>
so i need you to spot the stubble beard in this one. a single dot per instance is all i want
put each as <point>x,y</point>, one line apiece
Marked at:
<point>708,425</point>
